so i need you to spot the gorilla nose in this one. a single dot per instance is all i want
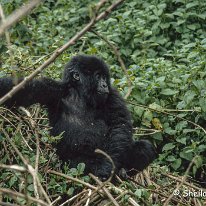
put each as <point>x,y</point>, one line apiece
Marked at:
<point>103,89</point>
<point>104,85</point>
<point>106,89</point>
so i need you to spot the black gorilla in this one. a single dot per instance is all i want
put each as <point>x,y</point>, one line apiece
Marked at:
<point>90,113</point>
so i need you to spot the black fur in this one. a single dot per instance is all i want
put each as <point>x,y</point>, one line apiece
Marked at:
<point>89,117</point>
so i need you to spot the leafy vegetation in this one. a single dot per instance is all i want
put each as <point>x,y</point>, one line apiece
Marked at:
<point>163,45</point>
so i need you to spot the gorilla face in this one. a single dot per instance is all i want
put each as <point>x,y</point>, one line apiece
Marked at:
<point>101,88</point>
<point>90,77</point>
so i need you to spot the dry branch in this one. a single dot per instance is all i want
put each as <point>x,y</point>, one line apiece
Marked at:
<point>2,17</point>
<point>179,179</point>
<point>105,190</point>
<point>167,113</point>
<point>72,179</point>
<point>7,204</point>
<point>157,194</point>
<point>17,15</point>
<point>13,167</point>
<point>181,183</point>
<point>101,186</point>
<point>120,60</point>
<point>17,194</point>
<point>30,169</point>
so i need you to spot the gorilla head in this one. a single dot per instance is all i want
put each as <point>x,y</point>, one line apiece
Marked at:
<point>90,76</point>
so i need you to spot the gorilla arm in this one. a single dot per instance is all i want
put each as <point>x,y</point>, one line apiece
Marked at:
<point>119,137</point>
<point>125,152</point>
<point>44,91</point>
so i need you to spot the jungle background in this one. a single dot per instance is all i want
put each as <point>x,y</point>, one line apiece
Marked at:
<point>156,51</point>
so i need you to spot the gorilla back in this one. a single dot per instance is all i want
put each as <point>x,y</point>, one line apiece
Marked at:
<point>90,113</point>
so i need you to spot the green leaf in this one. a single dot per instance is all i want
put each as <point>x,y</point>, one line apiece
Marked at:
<point>155,106</point>
<point>202,103</point>
<point>138,111</point>
<point>181,125</point>
<point>198,161</point>
<point>191,26</point>
<point>170,131</point>
<point>70,191</point>
<point>138,192</point>
<point>168,146</point>
<point>189,96</point>
<point>158,136</point>
<point>192,4</point>
<point>186,155</point>
<point>190,45</point>
<point>180,21</point>
<point>171,158</point>
<point>148,115</point>
<point>12,181</point>
<point>202,16</point>
<point>80,168</point>
<point>194,169</point>
<point>30,188</point>
<point>74,171</point>
<point>161,79</point>
<point>200,84</point>
<point>181,105</point>
<point>138,96</point>
<point>185,131</point>
<point>170,16</point>
<point>168,92</point>
<point>182,140</point>
<point>126,14</point>
<point>177,13</point>
<point>176,164</point>
<point>162,6</point>
<point>202,148</point>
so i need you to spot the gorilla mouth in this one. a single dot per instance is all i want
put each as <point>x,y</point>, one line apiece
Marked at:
<point>102,96</point>
<point>102,93</point>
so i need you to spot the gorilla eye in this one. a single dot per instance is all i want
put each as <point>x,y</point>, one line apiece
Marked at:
<point>76,76</point>
<point>98,76</point>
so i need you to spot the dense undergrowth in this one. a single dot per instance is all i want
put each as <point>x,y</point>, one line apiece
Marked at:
<point>163,45</point>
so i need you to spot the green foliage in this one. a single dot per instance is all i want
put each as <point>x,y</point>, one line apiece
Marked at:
<point>163,44</point>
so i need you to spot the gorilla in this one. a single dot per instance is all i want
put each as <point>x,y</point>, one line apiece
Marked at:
<point>89,113</point>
